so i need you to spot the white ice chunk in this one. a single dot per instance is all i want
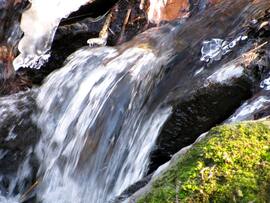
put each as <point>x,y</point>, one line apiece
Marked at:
<point>214,49</point>
<point>265,84</point>
<point>39,25</point>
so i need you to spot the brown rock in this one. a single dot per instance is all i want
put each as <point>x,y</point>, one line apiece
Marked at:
<point>170,10</point>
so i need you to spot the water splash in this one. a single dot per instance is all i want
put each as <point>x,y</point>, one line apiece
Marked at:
<point>39,25</point>
<point>3,199</point>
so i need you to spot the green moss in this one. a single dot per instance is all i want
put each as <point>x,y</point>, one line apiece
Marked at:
<point>232,164</point>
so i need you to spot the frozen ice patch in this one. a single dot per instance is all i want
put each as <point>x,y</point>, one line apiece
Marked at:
<point>11,135</point>
<point>214,49</point>
<point>39,24</point>
<point>265,84</point>
<point>226,73</point>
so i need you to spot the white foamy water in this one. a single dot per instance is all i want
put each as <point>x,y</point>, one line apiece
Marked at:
<point>249,108</point>
<point>97,128</point>
<point>4,199</point>
<point>39,24</point>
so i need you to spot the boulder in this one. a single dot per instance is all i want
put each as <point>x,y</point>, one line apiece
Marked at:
<point>204,95</point>
<point>229,164</point>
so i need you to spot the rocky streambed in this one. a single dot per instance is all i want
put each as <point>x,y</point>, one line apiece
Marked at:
<point>172,83</point>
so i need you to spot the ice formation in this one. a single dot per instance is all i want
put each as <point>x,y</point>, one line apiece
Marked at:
<point>39,25</point>
<point>214,49</point>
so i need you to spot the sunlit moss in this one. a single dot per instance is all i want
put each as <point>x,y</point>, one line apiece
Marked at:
<point>232,164</point>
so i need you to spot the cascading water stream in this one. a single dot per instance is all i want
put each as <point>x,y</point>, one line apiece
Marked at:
<point>97,130</point>
<point>99,114</point>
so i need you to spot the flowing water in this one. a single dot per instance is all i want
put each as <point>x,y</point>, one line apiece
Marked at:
<point>98,125</point>
<point>98,132</point>
<point>98,116</point>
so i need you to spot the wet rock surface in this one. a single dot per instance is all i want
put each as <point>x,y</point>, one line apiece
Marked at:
<point>10,34</point>
<point>199,108</point>
<point>197,114</point>
<point>18,136</point>
<point>253,109</point>
<point>18,132</point>
<point>132,189</point>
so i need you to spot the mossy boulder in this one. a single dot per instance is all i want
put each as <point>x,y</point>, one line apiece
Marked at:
<point>231,164</point>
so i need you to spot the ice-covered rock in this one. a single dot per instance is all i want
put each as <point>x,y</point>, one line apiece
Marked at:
<point>39,24</point>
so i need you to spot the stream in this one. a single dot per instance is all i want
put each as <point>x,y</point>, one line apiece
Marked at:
<point>110,116</point>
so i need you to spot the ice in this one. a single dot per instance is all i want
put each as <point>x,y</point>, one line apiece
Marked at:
<point>39,25</point>
<point>265,84</point>
<point>214,49</point>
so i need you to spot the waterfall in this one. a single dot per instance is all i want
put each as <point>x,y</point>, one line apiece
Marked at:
<point>98,124</point>
<point>101,114</point>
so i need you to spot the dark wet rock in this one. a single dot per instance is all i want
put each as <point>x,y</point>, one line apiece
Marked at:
<point>18,136</point>
<point>132,189</point>
<point>17,130</point>
<point>197,108</point>
<point>260,27</point>
<point>197,114</point>
<point>128,21</point>
<point>10,12</point>
<point>93,10</point>
<point>10,34</point>
<point>15,84</point>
